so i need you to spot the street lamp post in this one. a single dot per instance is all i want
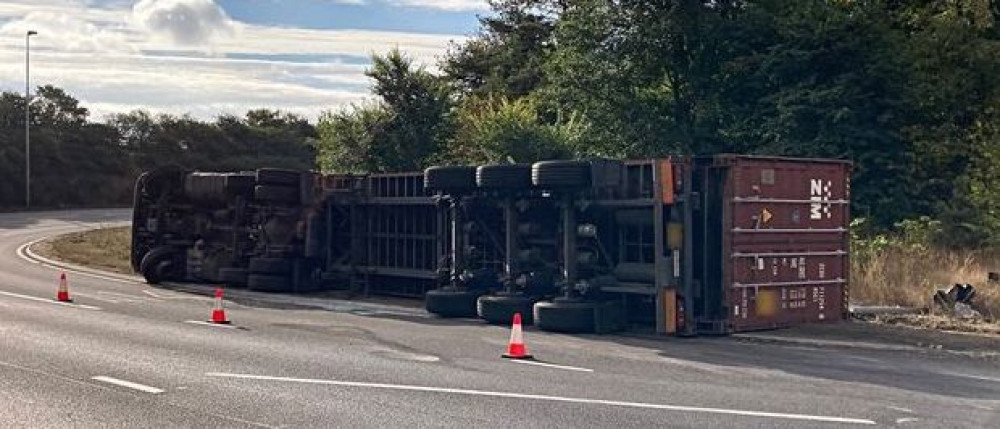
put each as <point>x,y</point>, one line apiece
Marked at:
<point>27,117</point>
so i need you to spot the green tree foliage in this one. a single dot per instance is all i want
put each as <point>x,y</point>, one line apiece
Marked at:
<point>77,162</point>
<point>828,83</point>
<point>508,54</point>
<point>60,135</point>
<point>348,139</point>
<point>402,131</point>
<point>499,130</point>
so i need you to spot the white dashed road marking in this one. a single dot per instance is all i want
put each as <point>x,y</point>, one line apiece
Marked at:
<point>469,392</point>
<point>551,365</point>
<point>214,325</point>
<point>128,384</point>
<point>48,301</point>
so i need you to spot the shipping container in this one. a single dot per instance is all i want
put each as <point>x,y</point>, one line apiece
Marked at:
<point>772,242</point>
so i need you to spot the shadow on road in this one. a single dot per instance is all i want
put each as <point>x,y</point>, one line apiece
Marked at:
<point>928,370</point>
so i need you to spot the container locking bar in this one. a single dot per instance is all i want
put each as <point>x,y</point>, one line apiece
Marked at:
<point>798,283</point>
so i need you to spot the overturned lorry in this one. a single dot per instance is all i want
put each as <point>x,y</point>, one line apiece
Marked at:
<point>680,245</point>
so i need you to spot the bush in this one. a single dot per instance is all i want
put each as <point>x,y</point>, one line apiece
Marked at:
<point>498,130</point>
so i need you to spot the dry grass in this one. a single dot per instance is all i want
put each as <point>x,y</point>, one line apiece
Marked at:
<point>107,248</point>
<point>909,277</point>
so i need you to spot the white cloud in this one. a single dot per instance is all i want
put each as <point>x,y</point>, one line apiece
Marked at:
<point>449,5</point>
<point>114,63</point>
<point>203,87</point>
<point>183,22</point>
<point>67,32</point>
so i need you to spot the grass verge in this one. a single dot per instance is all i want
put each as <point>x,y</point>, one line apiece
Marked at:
<point>106,249</point>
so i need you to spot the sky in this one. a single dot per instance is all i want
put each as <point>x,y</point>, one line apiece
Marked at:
<point>210,57</point>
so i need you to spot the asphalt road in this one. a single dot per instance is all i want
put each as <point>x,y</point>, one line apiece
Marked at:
<point>125,354</point>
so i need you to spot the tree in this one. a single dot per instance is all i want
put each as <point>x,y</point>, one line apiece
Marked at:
<point>827,82</point>
<point>348,139</point>
<point>508,54</point>
<point>403,131</point>
<point>499,130</point>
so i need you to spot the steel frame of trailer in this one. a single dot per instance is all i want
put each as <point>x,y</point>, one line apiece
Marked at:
<point>386,235</point>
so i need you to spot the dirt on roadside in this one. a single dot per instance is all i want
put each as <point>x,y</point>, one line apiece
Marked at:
<point>940,323</point>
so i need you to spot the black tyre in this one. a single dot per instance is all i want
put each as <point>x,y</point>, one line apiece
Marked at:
<point>450,178</point>
<point>577,316</point>
<point>206,188</point>
<point>269,283</point>
<point>240,184</point>
<point>508,176</point>
<point>277,194</point>
<point>561,174</point>
<point>270,266</point>
<point>233,276</point>
<point>157,265</point>
<point>278,176</point>
<point>451,302</point>
<point>500,309</point>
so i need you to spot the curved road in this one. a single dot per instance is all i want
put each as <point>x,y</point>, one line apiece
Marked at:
<point>126,354</point>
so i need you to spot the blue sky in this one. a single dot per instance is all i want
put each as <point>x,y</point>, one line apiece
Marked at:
<point>211,57</point>
<point>370,16</point>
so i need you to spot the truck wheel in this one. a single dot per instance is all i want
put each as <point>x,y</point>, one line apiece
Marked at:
<point>561,174</point>
<point>277,194</point>
<point>450,178</point>
<point>270,266</point>
<point>566,315</point>
<point>157,263</point>
<point>278,176</point>
<point>157,273</point>
<point>233,276</point>
<point>268,283</point>
<point>500,309</point>
<point>504,176</point>
<point>451,302</point>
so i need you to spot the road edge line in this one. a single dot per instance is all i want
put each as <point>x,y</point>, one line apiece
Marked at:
<point>25,252</point>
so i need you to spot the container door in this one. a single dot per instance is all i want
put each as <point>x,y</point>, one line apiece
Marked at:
<point>785,250</point>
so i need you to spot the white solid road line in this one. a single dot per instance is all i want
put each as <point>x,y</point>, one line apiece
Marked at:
<point>404,387</point>
<point>128,384</point>
<point>48,301</point>
<point>550,365</point>
<point>214,325</point>
<point>25,253</point>
<point>972,376</point>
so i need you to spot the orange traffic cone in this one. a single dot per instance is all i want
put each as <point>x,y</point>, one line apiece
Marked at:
<point>516,348</point>
<point>219,313</point>
<point>62,295</point>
